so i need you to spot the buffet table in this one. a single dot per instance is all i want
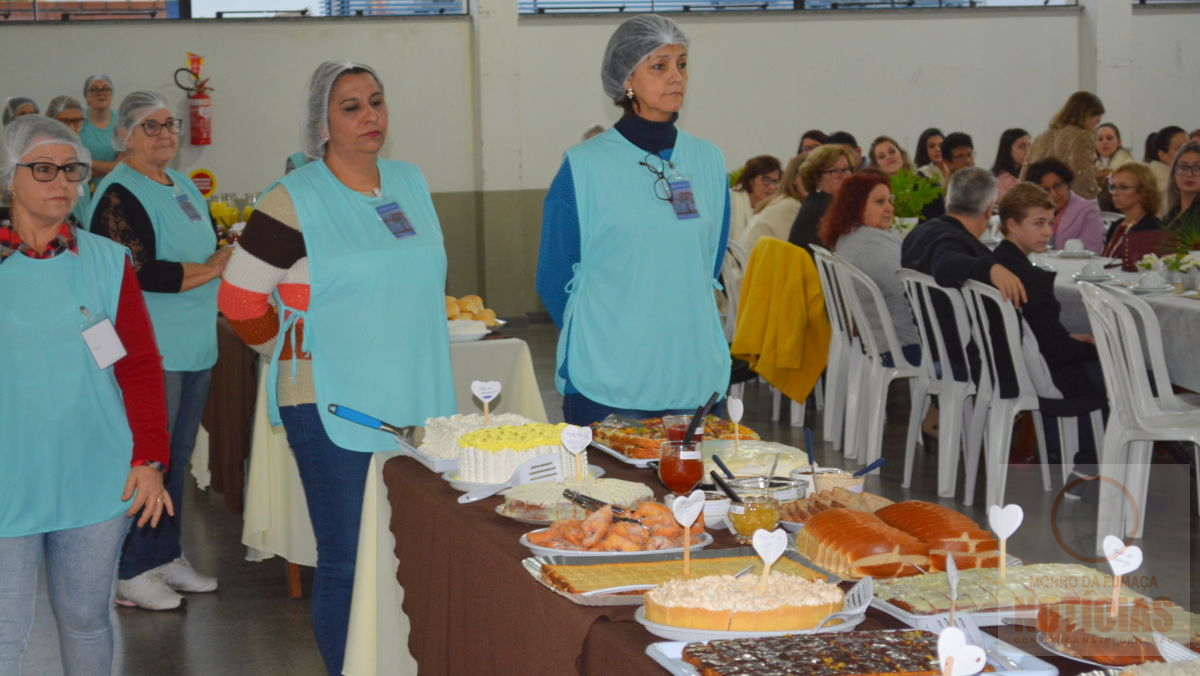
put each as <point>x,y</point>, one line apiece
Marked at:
<point>475,609</point>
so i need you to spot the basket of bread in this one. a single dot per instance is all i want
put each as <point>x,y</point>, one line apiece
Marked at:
<point>470,307</point>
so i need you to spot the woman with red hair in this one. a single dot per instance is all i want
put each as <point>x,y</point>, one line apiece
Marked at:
<point>856,227</point>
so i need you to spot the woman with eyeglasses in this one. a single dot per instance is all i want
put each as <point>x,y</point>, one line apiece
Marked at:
<point>160,215</point>
<point>634,230</point>
<point>1185,185</point>
<point>1135,194</point>
<point>757,183</point>
<point>69,111</point>
<point>822,173</point>
<point>773,217</point>
<point>85,428</point>
<point>1075,217</point>
<point>97,133</point>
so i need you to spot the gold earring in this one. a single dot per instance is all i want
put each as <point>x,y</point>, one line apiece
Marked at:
<point>629,94</point>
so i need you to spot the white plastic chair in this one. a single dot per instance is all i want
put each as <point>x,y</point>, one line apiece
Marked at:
<point>875,376</point>
<point>1001,410</point>
<point>733,269</point>
<point>842,348</point>
<point>959,430</point>
<point>1139,415</point>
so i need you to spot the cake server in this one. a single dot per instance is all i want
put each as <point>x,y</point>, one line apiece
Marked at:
<point>592,504</point>
<point>541,468</point>
<point>405,434</point>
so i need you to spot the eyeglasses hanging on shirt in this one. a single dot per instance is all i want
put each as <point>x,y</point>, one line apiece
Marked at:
<point>670,186</point>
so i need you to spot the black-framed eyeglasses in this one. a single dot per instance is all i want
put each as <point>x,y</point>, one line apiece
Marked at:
<point>843,170</point>
<point>1182,169</point>
<point>100,90</point>
<point>659,166</point>
<point>44,172</point>
<point>153,127</point>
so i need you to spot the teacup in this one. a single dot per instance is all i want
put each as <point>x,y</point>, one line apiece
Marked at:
<point>1073,246</point>
<point>1151,279</point>
<point>1093,269</point>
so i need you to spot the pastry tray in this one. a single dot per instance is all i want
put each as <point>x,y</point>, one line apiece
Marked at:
<point>642,463</point>
<point>668,654</point>
<point>533,566</point>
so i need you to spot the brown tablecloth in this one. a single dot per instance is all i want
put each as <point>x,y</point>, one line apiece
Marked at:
<point>474,609</point>
<point>229,414</point>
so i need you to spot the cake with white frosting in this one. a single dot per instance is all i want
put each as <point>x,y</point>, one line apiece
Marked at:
<point>544,501</point>
<point>491,455</point>
<point>442,433</point>
<point>726,603</point>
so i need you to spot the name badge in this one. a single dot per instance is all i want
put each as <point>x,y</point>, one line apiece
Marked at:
<point>102,340</point>
<point>393,217</point>
<point>189,209</point>
<point>683,199</point>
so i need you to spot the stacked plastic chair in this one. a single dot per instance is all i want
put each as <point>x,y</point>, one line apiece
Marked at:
<point>1140,413</point>
<point>843,349</point>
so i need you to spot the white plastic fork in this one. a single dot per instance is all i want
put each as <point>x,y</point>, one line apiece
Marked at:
<point>854,604</point>
<point>975,636</point>
<point>541,468</point>
<point>1172,651</point>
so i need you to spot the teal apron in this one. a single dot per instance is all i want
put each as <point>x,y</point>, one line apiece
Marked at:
<point>99,141</point>
<point>83,207</point>
<point>295,161</point>
<point>67,444</point>
<point>185,324</point>
<point>376,319</point>
<point>641,328</point>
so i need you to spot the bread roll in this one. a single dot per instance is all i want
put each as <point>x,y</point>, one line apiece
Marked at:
<point>853,544</point>
<point>452,311</point>
<point>946,532</point>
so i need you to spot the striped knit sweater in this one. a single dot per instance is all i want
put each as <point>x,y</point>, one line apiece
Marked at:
<point>271,256</point>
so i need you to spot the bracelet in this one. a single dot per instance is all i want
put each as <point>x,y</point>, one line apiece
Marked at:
<point>153,463</point>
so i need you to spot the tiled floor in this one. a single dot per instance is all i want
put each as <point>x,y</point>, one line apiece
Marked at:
<point>251,627</point>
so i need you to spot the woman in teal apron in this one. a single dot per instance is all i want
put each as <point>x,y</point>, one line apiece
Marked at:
<point>69,111</point>
<point>160,215</point>
<point>633,235</point>
<point>85,429</point>
<point>97,134</point>
<point>349,248</point>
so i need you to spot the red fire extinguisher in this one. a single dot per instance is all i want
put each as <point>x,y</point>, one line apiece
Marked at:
<point>199,102</point>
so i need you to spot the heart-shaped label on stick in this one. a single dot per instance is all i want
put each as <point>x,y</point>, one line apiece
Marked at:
<point>736,408</point>
<point>1123,559</point>
<point>1005,520</point>
<point>485,390</point>
<point>770,545</point>
<point>688,509</point>
<point>576,438</point>
<point>952,576</point>
<point>954,652</point>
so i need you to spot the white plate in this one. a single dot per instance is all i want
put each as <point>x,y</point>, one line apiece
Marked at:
<point>636,462</point>
<point>520,519</point>
<point>1075,254</point>
<point>467,337</point>
<point>1140,290</point>
<point>683,634</point>
<point>1080,277</point>
<point>594,471</point>
<point>698,542</point>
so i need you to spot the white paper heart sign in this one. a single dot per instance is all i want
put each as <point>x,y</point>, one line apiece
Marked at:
<point>1005,520</point>
<point>1123,558</point>
<point>576,438</point>
<point>770,545</point>
<point>687,509</point>
<point>968,659</point>
<point>952,576</point>
<point>485,390</point>
<point>736,408</point>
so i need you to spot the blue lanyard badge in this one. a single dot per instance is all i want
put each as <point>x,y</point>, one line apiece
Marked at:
<point>683,199</point>
<point>189,209</point>
<point>393,217</point>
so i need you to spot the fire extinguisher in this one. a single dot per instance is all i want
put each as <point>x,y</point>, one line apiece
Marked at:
<point>199,102</point>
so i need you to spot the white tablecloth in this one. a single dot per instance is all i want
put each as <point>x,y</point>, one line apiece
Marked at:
<point>277,521</point>
<point>1178,317</point>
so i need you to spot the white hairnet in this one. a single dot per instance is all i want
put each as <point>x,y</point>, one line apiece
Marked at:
<point>61,103</point>
<point>12,103</point>
<point>632,42</point>
<point>29,131</point>
<point>314,128</point>
<point>134,108</point>
<point>92,78</point>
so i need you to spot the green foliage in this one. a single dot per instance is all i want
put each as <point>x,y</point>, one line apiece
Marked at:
<point>1186,228</point>
<point>735,176</point>
<point>911,193</point>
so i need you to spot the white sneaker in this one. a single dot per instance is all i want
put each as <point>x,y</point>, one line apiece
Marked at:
<point>147,591</point>
<point>180,576</point>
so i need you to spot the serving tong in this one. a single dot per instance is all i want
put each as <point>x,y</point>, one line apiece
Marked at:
<point>592,504</point>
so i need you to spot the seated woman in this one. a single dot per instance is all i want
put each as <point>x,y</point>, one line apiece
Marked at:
<point>773,217</point>
<point>887,156</point>
<point>822,174</point>
<point>1135,194</point>
<point>811,140</point>
<point>1068,368</point>
<point>929,156</point>
<point>1185,184</point>
<point>1010,155</point>
<point>856,227</point>
<point>1076,218</point>
<point>759,180</point>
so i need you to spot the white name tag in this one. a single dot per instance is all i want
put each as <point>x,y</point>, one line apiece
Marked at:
<point>104,343</point>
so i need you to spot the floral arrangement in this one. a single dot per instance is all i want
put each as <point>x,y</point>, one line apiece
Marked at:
<point>1186,228</point>
<point>911,193</point>
<point>1149,262</point>
<point>1180,262</point>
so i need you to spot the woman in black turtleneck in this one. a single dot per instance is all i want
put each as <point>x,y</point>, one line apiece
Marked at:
<point>822,174</point>
<point>634,230</point>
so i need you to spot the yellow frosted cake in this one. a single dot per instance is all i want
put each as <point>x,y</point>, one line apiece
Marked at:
<point>491,455</point>
<point>725,603</point>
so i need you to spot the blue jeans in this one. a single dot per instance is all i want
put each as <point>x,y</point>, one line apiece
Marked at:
<point>81,564</point>
<point>579,410</point>
<point>147,547</point>
<point>334,479</point>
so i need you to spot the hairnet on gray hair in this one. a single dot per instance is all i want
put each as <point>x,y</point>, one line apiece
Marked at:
<point>61,103</point>
<point>134,108</point>
<point>971,192</point>
<point>92,78</point>
<point>13,103</point>
<point>26,133</point>
<point>630,44</point>
<point>314,128</point>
